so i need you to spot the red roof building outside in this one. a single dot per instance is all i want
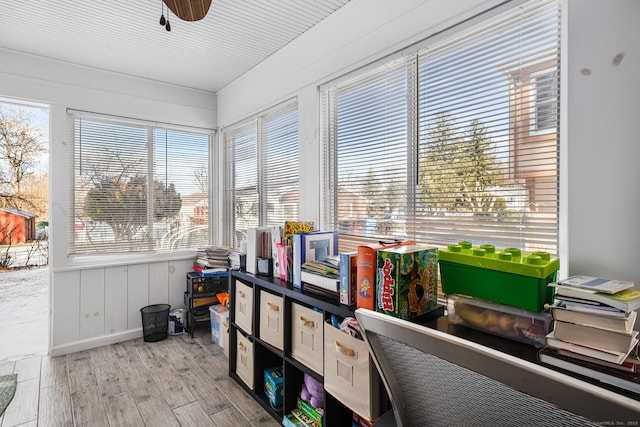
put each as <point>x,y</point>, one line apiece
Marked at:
<point>16,226</point>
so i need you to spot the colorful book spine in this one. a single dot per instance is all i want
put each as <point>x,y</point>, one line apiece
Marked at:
<point>348,278</point>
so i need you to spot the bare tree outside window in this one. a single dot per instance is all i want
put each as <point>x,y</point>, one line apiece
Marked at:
<point>22,145</point>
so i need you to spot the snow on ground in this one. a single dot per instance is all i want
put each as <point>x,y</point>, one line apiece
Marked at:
<point>24,312</point>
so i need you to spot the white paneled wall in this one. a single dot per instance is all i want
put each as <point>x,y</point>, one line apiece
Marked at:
<point>116,315</point>
<point>98,306</point>
<point>91,303</point>
<point>99,303</point>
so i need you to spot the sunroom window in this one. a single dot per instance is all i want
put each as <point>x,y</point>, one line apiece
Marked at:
<point>262,171</point>
<point>441,142</point>
<point>138,187</point>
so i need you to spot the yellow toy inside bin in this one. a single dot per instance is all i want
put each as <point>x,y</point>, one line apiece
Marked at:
<point>503,320</point>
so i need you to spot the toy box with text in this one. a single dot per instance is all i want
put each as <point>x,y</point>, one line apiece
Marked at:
<point>274,386</point>
<point>407,280</point>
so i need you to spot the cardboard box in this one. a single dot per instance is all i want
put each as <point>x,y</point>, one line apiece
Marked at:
<point>407,280</point>
<point>366,272</point>
<point>244,306</point>
<point>358,421</point>
<point>350,375</point>
<point>272,319</point>
<point>314,415</point>
<point>274,386</point>
<point>307,337</point>
<point>244,359</point>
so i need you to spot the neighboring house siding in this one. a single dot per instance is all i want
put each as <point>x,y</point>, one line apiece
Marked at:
<point>16,226</point>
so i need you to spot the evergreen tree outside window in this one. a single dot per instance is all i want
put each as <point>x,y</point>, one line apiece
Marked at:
<point>455,141</point>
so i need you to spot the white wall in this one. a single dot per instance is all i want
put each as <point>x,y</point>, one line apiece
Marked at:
<point>602,141</point>
<point>599,138</point>
<point>93,305</point>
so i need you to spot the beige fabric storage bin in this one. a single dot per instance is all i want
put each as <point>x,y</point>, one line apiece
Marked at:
<point>271,318</point>
<point>244,360</point>
<point>350,374</point>
<point>306,337</point>
<point>244,307</point>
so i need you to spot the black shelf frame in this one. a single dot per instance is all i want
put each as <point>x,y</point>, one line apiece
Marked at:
<point>217,283</point>
<point>266,355</point>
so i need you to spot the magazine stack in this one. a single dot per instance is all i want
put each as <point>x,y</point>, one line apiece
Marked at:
<point>593,332</point>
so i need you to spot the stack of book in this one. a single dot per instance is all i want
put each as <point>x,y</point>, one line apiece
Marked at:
<point>212,261</point>
<point>323,275</point>
<point>593,332</point>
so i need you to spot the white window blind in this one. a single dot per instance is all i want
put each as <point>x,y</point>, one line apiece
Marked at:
<point>446,145</point>
<point>262,178</point>
<point>116,210</point>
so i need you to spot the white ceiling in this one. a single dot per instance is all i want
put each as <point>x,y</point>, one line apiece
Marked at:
<point>125,36</point>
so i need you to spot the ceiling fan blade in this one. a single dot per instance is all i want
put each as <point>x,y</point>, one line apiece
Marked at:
<point>189,10</point>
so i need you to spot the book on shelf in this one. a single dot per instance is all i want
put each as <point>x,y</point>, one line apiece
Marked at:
<point>290,420</point>
<point>627,300</point>
<point>624,380</point>
<point>594,337</point>
<point>591,307</point>
<point>321,267</point>
<point>629,364</point>
<point>603,354</point>
<point>330,261</point>
<point>596,284</point>
<point>213,254</point>
<point>211,272</point>
<point>303,418</point>
<point>322,292</point>
<point>330,283</point>
<point>254,248</point>
<point>276,240</point>
<point>348,276</point>
<point>211,263</point>
<point>311,246</point>
<point>616,324</point>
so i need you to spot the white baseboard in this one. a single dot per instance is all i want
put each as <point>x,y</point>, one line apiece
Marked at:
<point>95,342</point>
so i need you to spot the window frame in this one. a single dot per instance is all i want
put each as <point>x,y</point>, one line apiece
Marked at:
<point>329,131</point>
<point>266,146</point>
<point>535,129</point>
<point>77,252</point>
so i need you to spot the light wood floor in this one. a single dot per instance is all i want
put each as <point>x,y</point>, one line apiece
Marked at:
<point>180,381</point>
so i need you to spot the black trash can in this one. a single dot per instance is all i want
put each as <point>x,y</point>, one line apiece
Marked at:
<point>155,322</point>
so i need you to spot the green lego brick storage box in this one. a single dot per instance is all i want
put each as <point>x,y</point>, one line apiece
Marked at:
<point>507,276</point>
